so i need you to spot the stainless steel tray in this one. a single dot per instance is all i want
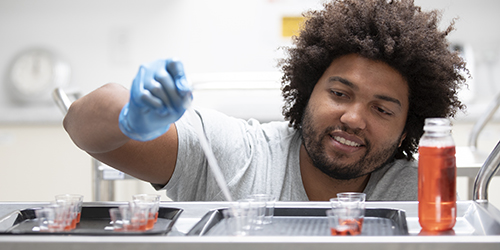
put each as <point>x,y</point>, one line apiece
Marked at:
<point>95,220</point>
<point>307,222</point>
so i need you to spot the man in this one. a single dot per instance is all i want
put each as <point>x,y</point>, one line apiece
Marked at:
<point>358,84</point>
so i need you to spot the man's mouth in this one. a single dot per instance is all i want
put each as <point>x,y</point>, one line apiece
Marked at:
<point>344,141</point>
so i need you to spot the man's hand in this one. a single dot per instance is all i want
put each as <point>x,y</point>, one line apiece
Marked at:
<point>159,96</point>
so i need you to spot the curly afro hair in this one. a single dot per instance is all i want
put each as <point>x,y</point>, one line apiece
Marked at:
<point>395,32</point>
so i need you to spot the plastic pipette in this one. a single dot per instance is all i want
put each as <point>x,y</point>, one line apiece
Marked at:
<point>212,162</point>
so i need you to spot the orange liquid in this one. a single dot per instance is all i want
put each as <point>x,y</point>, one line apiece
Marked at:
<point>56,227</point>
<point>128,228</point>
<point>71,225</point>
<point>437,174</point>
<point>151,221</point>
<point>139,224</point>
<point>78,217</point>
<point>339,232</point>
<point>352,227</point>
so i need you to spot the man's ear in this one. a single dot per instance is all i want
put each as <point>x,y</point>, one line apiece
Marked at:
<point>403,137</point>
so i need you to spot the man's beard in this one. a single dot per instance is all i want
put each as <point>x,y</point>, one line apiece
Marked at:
<point>369,162</point>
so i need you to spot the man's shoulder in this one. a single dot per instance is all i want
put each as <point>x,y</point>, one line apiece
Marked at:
<point>395,169</point>
<point>405,166</point>
<point>278,129</point>
<point>406,170</point>
<point>395,181</point>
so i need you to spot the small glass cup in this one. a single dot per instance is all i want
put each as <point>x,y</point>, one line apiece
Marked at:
<point>240,217</point>
<point>256,210</point>
<point>134,218</point>
<point>139,214</point>
<point>269,203</point>
<point>46,217</point>
<point>118,222</point>
<point>334,202</point>
<point>54,218</point>
<point>351,199</point>
<point>74,203</point>
<point>151,200</point>
<point>345,221</point>
<point>65,214</point>
<point>126,214</point>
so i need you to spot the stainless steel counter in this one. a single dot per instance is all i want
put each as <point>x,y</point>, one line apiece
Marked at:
<point>477,227</point>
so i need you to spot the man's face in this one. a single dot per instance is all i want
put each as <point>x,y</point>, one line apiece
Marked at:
<point>355,118</point>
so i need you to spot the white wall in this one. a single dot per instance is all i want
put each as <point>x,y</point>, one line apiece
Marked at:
<point>105,41</point>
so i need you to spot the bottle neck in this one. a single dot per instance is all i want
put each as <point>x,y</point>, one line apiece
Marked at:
<point>437,133</point>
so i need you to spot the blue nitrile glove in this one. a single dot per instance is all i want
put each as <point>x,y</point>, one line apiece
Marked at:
<point>159,96</point>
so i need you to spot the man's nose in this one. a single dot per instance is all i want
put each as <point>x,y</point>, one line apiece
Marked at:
<point>355,116</point>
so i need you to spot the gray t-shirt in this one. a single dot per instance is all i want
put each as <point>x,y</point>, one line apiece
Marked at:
<point>262,158</point>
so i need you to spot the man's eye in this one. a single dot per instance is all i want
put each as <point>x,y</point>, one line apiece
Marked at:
<point>383,111</point>
<point>339,94</point>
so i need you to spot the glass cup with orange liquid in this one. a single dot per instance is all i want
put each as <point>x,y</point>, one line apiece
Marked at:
<point>71,208</point>
<point>50,218</point>
<point>133,217</point>
<point>345,220</point>
<point>150,202</point>
<point>347,214</point>
<point>56,217</point>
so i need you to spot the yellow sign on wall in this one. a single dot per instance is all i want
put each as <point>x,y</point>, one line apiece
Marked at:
<point>291,25</point>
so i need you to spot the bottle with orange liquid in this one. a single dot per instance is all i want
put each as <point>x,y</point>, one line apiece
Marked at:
<point>437,174</point>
